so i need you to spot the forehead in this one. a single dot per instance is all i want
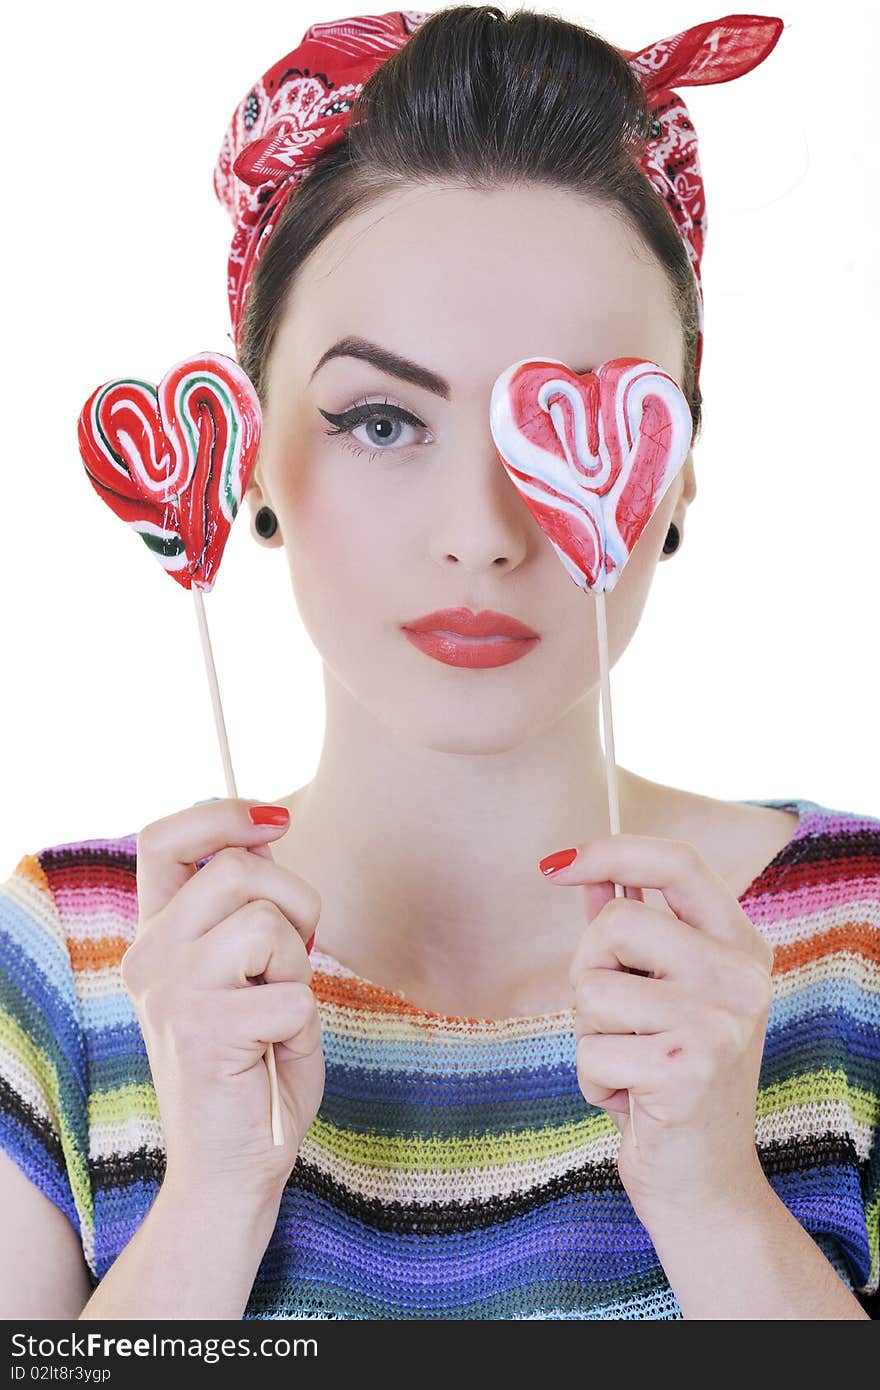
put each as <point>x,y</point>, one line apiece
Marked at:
<point>468,281</point>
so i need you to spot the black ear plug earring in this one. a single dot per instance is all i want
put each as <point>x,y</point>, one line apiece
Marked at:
<point>266,522</point>
<point>673,539</point>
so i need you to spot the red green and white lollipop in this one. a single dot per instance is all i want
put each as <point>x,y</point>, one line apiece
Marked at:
<point>174,461</point>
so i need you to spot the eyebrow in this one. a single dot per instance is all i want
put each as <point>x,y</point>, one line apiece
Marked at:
<point>394,365</point>
<point>387,361</point>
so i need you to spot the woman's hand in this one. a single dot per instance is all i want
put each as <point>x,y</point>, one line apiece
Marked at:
<point>700,1013</point>
<point>203,936</point>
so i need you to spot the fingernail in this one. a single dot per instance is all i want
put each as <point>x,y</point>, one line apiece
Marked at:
<point>269,815</point>
<point>560,860</point>
<point>310,943</point>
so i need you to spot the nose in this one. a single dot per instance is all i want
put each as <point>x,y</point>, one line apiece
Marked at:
<point>480,521</point>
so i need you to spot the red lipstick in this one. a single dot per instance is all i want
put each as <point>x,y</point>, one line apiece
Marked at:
<point>457,637</point>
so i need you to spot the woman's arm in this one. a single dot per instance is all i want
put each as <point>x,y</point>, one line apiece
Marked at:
<point>754,1261</point>
<point>195,1255</point>
<point>44,1273</point>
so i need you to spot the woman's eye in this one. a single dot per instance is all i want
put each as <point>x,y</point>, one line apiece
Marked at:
<point>384,427</point>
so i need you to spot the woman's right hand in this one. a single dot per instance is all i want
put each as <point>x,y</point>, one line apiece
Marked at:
<point>202,936</point>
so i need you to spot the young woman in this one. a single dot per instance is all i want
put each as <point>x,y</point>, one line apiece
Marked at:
<point>457,1053</point>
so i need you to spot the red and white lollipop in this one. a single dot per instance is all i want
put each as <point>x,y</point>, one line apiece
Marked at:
<point>174,462</point>
<point>592,457</point>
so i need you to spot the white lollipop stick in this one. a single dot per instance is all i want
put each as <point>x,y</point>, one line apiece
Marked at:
<point>610,765</point>
<point>277,1119</point>
<point>621,435</point>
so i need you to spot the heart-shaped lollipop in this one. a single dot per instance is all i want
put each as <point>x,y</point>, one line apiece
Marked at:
<point>174,462</point>
<point>592,455</point>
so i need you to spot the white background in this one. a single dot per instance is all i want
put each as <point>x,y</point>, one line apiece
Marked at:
<point>754,670</point>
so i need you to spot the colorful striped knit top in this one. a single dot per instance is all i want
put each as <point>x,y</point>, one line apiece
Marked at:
<point>454,1169</point>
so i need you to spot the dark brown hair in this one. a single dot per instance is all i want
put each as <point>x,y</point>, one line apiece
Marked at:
<point>482,100</point>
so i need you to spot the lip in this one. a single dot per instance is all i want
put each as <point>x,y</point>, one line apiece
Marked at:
<point>456,637</point>
<point>464,623</point>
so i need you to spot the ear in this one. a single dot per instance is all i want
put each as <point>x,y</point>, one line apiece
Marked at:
<point>685,497</point>
<point>689,486</point>
<point>256,497</point>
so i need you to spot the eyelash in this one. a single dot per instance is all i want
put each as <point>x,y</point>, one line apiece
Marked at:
<point>362,413</point>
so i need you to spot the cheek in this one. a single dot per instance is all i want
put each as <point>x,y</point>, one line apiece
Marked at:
<point>342,553</point>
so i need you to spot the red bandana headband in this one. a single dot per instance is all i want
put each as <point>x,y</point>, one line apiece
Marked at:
<point>302,105</point>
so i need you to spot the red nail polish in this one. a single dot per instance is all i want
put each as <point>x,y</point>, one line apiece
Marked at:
<point>310,943</point>
<point>560,860</point>
<point>269,815</point>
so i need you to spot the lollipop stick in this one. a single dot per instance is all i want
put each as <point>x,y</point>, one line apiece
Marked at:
<point>277,1123</point>
<point>610,765</point>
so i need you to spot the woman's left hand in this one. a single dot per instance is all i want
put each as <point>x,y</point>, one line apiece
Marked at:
<point>686,1039</point>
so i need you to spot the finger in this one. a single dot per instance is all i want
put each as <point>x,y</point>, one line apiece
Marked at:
<point>693,890</point>
<point>169,849</point>
<point>265,851</point>
<point>256,940</point>
<point>595,1094</point>
<point>609,1001</point>
<point>231,879</point>
<point>614,1061</point>
<point>615,1102</point>
<point>633,936</point>
<point>280,1013</point>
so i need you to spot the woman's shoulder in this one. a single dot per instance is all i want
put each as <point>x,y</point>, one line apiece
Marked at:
<point>820,817</point>
<point>818,900</point>
<point>82,893</point>
<point>83,871</point>
<point>71,907</point>
<point>818,905</point>
<point>51,864</point>
<point>832,853</point>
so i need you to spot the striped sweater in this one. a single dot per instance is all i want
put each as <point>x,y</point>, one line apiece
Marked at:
<point>454,1169</point>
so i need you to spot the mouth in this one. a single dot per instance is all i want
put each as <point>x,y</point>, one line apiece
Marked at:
<point>461,622</point>
<point>456,637</point>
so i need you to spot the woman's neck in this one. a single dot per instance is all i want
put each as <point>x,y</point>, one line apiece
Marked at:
<point>425,857</point>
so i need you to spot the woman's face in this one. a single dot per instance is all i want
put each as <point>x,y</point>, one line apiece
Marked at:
<point>412,511</point>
